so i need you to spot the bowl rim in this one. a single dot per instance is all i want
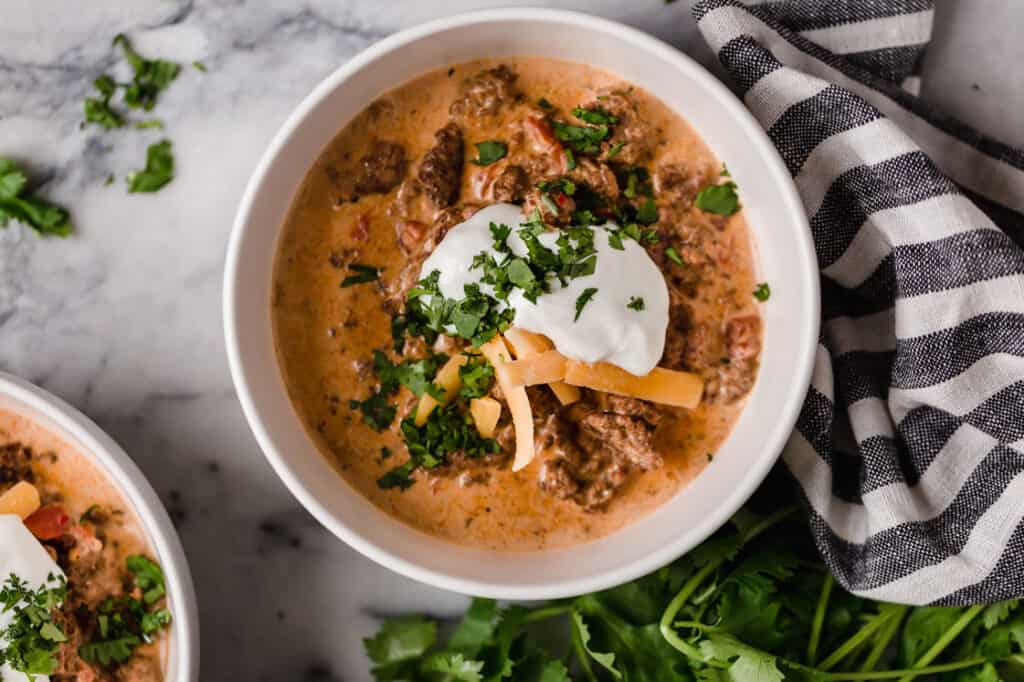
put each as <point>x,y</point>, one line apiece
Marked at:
<point>114,463</point>
<point>787,414</point>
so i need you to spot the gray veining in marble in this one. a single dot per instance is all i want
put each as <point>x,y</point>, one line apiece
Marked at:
<point>123,319</point>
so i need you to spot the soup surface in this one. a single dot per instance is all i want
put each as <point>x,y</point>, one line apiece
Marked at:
<point>86,526</point>
<point>389,188</point>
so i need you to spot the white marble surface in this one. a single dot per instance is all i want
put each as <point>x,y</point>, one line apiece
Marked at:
<point>123,319</point>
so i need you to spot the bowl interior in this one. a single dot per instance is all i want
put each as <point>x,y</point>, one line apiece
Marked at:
<point>82,434</point>
<point>782,246</point>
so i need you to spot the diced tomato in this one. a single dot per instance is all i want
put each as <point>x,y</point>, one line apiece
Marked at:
<point>561,199</point>
<point>49,523</point>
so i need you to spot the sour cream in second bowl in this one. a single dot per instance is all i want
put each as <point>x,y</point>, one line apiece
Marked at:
<point>618,314</point>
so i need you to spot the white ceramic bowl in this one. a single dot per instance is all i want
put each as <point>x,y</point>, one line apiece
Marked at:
<point>73,427</point>
<point>786,261</point>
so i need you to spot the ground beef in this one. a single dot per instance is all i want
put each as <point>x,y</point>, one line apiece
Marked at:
<point>486,93</point>
<point>630,438</point>
<point>633,137</point>
<point>511,185</point>
<point>597,176</point>
<point>677,184</point>
<point>15,464</point>
<point>440,174</point>
<point>743,344</point>
<point>382,169</point>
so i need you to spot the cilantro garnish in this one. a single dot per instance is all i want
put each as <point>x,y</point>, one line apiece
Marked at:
<point>415,374</point>
<point>159,169</point>
<point>595,116</point>
<point>152,123</point>
<point>489,152</point>
<point>148,577</point>
<point>673,255</point>
<point>360,274</point>
<point>582,300</point>
<point>647,214</point>
<point>377,412</point>
<point>581,139</point>
<point>15,204</point>
<point>718,199</point>
<point>543,103</point>
<point>614,150</point>
<point>199,66</point>
<point>123,624</point>
<point>448,429</point>
<point>763,292</point>
<point>635,303</point>
<point>30,642</point>
<point>477,378</point>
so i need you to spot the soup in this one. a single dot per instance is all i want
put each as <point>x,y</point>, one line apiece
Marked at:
<point>587,185</point>
<point>77,542</point>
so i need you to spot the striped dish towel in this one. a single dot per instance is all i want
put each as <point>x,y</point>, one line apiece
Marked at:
<point>909,451</point>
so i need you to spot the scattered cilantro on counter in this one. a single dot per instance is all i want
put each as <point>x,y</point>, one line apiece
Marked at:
<point>489,152</point>
<point>199,66</point>
<point>718,199</point>
<point>30,642</point>
<point>360,274</point>
<point>15,204</point>
<point>763,292</point>
<point>753,603</point>
<point>152,76</point>
<point>158,172</point>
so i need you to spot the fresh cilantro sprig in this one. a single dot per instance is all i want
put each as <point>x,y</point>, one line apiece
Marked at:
<point>718,199</point>
<point>18,205</point>
<point>31,641</point>
<point>158,172</point>
<point>754,603</point>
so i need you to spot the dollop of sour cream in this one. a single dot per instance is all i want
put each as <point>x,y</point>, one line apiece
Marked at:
<point>23,556</point>
<point>607,329</point>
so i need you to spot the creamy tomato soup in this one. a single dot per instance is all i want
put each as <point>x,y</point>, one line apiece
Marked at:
<point>77,538</point>
<point>395,310</point>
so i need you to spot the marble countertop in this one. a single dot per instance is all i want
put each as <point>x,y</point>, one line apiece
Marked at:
<point>124,318</point>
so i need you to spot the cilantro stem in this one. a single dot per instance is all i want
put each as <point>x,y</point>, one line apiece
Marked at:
<point>819,619</point>
<point>890,674</point>
<point>545,613</point>
<point>580,651</point>
<point>882,643</point>
<point>948,636</point>
<point>695,581</point>
<point>851,644</point>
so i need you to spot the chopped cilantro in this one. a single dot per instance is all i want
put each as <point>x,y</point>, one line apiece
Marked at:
<point>360,274</point>
<point>570,160</point>
<point>615,241</point>
<point>148,577</point>
<point>15,204</point>
<point>718,199</point>
<point>652,237</point>
<point>151,76</point>
<point>614,150</point>
<point>477,378</point>
<point>151,123</point>
<point>763,292</point>
<point>109,181</point>
<point>647,214</point>
<point>199,66</point>
<point>635,303</point>
<point>158,172</point>
<point>98,109</point>
<point>489,152</point>
<point>582,300</point>
<point>673,255</point>
<point>543,103</point>
<point>595,116</point>
<point>30,642</point>
<point>581,139</point>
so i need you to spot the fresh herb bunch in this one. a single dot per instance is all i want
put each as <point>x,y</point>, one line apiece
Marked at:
<point>126,622</point>
<point>752,604</point>
<point>30,642</point>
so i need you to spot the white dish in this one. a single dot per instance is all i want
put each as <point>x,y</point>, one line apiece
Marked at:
<point>782,243</point>
<point>73,427</point>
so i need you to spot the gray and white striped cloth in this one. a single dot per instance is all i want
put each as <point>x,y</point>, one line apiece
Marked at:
<point>909,451</point>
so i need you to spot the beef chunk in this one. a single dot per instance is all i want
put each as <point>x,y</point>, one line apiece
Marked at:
<point>630,438</point>
<point>743,343</point>
<point>486,93</point>
<point>511,185</point>
<point>677,184</point>
<point>680,319</point>
<point>441,171</point>
<point>382,169</point>
<point>15,464</point>
<point>599,177</point>
<point>557,478</point>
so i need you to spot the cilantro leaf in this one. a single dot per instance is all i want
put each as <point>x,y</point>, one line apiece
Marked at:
<point>582,300</point>
<point>580,139</point>
<point>489,152</point>
<point>108,651</point>
<point>397,645</point>
<point>763,292</point>
<point>158,172</point>
<point>447,667</point>
<point>39,214</point>
<point>673,255</point>
<point>477,378</point>
<point>377,413</point>
<point>605,660</point>
<point>746,664</point>
<point>152,76</point>
<point>635,303</point>
<point>595,115</point>
<point>148,577</point>
<point>360,274</point>
<point>718,199</point>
